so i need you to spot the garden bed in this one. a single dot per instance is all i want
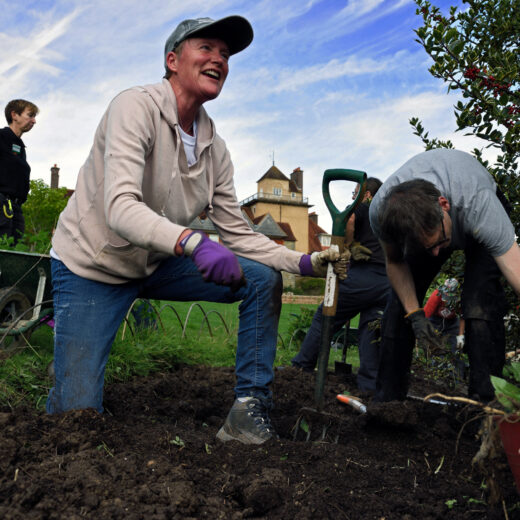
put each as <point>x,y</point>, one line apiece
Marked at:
<point>154,455</point>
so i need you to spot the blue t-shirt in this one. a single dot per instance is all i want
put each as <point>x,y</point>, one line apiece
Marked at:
<point>475,210</point>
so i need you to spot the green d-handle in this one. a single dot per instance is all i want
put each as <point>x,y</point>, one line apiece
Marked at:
<point>339,218</point>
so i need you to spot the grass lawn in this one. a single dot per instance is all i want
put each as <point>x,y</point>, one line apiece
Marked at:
<point>187,332</point>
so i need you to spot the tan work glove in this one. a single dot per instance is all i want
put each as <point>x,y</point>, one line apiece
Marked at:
<point>320,260</point>
<point>360,253</point>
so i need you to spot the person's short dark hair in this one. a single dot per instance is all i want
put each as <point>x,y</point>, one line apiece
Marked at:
<point>373,184</point>
<point>18,106</point>
<point>410,211</point>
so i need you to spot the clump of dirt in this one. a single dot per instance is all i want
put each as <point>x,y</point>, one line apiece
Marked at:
<point>153,454</point>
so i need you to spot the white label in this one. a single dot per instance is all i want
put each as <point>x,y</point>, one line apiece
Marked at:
<point>330,282</point>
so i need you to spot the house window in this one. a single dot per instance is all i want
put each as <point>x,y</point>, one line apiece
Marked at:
<point>293,195</point>
<point>325,240</point>
<point>277,191</point>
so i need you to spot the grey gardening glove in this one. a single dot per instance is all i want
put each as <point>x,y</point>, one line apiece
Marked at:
<point>359,252</point>
<point>425,333</point>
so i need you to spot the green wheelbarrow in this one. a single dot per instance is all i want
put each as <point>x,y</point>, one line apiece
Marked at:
<point>25,298</point>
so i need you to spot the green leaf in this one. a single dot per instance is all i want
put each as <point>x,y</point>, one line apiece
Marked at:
<point>513,371</point>
<point>451,34</point>
<point>451,503</point>
<point>456,47</point>
<point>507,394</point>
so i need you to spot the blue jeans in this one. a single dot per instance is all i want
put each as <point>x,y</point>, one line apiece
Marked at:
<point>364,292</point>
<point>88,314</point>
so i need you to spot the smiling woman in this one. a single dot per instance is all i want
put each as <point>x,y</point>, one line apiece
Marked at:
<point>156,163</point>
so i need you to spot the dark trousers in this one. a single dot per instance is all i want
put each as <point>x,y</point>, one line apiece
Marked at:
<point>483,307</point>
<point>364,292</point>
<point>12,223</point>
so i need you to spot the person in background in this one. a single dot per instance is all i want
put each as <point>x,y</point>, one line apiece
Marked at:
<point>443,309</point>
<point>363,292</point>
<point>156,163</point>
<point>438,202</point>
<point>14,169</point>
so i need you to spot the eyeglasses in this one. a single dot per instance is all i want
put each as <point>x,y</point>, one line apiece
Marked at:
<point>440,242</point>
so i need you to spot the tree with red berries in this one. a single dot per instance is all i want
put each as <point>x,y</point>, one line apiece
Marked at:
<point>476,51</point>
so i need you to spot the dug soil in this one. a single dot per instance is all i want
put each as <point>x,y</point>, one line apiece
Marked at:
<point>153,455</point>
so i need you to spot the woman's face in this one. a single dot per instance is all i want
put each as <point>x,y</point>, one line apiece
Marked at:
<point>24,121</point>
<point>202,68</point>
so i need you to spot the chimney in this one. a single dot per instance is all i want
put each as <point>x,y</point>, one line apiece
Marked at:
<point>297,178</point>
<point>55,177</point>
<point>313,217</point>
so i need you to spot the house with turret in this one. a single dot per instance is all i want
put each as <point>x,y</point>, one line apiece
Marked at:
<point>283,199</point>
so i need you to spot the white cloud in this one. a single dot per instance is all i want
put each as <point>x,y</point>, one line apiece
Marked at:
<point>357,8</point>
<point>352,66</point>
<point>32,52</point>
<point>301,90</point>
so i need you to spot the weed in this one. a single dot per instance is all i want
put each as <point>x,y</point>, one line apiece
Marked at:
<point>451,503</point>
<point>178,442</point>
<point>104,447</point>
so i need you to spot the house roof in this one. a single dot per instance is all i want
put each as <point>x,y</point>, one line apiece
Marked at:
<point>246,211</point>
<point>288,231</point>
<point>266,224</point>
<point>273,173</point>
<point>202,224</point>
<point>314,240</point>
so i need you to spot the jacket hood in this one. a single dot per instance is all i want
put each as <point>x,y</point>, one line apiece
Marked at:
<point>163,96</point>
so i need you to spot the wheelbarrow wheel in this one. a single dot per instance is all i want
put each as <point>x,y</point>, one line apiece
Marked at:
<point>13,306</point>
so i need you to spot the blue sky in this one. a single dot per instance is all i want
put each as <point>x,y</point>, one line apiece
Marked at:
<point>325,83</point>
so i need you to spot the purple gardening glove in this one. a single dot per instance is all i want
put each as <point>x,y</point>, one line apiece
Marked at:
<point>216,263</point>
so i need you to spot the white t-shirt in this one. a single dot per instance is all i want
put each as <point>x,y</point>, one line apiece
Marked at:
<point>189,142</point>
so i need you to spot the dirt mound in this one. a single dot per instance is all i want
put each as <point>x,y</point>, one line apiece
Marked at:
<point>154,455</point>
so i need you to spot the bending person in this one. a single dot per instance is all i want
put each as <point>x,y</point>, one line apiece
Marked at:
<point>363,292</point>
<point>438,202</point>
<point>443,309</point>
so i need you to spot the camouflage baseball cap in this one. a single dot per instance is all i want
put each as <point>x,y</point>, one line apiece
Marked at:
<point>235,30</point>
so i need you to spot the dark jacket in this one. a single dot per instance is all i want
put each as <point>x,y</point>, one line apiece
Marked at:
<point>14,170</point>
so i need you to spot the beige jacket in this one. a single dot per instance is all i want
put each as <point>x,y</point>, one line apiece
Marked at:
<point>135,193</point>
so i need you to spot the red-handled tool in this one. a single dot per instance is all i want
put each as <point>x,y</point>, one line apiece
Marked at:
<point>354,403</point>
